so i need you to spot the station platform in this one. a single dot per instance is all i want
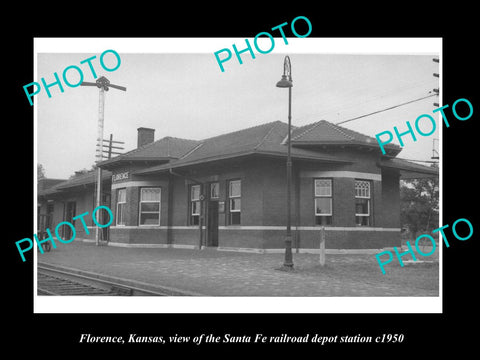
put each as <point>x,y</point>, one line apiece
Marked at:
<point>210,272</point>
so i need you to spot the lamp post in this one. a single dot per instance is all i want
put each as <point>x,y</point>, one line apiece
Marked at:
<point>286,82</point>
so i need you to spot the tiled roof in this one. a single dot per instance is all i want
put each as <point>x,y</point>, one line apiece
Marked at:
<point>324,132</point>
<point>84,179</point>
<point>263,139</point>
<point>163,149</point>
<point>232,143</point>
<point>269,138</point>
<point>79,180</point>
<point>45,183</point>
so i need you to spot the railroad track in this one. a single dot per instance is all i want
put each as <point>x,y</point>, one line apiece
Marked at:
<point>56,285</point>
<point>56,280</point>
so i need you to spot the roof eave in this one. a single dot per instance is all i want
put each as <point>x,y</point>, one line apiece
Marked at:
<point>389,148</point>
<point>118,162</point>
<point>410,171</point>
<point>173,165</point>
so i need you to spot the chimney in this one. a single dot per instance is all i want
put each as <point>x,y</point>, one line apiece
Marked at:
<point>145,136</point>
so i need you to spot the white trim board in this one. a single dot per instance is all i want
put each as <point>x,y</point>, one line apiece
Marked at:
<point>341,174</point>
<point>138,183</point>
<point>239,249</point>
<point>255,227</point>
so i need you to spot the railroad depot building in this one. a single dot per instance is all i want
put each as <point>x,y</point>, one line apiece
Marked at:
<point>229,191</point>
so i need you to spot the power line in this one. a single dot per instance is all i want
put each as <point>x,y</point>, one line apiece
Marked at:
<point>389,108</point>
<point>341,104</point>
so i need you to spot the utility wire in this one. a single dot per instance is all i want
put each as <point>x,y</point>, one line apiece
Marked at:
<point>389,108</point>
<point>341,105</point>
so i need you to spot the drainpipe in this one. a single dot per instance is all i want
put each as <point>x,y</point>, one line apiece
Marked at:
<point>202,203</point>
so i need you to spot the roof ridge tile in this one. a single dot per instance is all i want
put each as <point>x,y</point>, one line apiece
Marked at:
<point>311,127</point>
<point>242,130</point>
<point>274,125</point>
<point>337,128</point>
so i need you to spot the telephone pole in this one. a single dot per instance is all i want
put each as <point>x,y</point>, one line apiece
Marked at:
<point>103,84</point>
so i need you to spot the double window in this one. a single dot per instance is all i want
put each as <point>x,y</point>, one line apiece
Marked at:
<point>234,201</point>
<point>323,202</point>
<point>149,206</point>
<point>362,203</point>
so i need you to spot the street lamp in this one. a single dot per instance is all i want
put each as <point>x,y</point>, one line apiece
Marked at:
<point>286,82</point>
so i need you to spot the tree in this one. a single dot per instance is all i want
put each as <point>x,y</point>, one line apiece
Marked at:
<point>83,171</point>
<point>40,172</point>
<point>419,205</point>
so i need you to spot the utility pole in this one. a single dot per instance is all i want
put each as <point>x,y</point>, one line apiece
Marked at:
<point>435,154</point>
<point>110,146</point>
<point>103,84</point>
<point>436,90</point>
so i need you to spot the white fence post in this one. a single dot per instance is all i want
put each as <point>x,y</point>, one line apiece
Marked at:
<point>322,246</point>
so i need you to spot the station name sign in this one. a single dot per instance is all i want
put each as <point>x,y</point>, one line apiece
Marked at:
<point>120,176</point>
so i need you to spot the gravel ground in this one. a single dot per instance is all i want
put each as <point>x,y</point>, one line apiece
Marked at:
<point>220,273</point>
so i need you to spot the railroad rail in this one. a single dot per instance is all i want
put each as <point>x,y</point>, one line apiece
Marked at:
<point>58,280</point>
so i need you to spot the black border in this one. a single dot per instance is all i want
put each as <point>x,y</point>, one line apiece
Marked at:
<point>424,333</point>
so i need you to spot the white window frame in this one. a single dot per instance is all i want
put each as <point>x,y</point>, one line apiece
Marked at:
<point>123,209</point>
<point>140,212</point>
<point>230,197</point>
<point>195,200</point>
<point>367,197</point>
<point>329,196</point>
<point>212,186</point>
<point>369,189</point>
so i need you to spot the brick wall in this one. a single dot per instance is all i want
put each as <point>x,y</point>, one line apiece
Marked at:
<point>138,235</point>
<point>263,204</point>
<point>334,239</point>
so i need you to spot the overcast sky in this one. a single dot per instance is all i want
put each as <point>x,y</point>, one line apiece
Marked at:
<point>184,94</point>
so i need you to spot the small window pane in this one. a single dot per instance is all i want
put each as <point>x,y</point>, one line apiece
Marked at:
<point>235,204</point>
<point>149,219</point>
<point>195,207</point>
<point>323,206</point>
<point>120,214</point>
<point>214,191</point>
<point>323,187</point>
<point>362,207</point>
<point>362,188</point>
<point>235,188</point>
<point>122,195</point>
<point>195,192</point>
<point>150,194</point>
<point>150,207</point>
